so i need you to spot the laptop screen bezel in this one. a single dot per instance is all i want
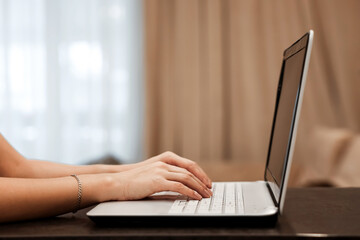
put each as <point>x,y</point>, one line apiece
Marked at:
<point>304,42</point>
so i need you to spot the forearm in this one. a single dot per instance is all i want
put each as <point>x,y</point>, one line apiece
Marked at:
<point>23,199</point>
<point>13,164</point>
<point>27,198</point>
<point>45,169</point>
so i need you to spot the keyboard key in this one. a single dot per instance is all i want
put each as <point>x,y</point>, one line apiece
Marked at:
<point>217,199</point>
<point>230,198</point>
<point>216,208</point>
<point>191,206</point>
<point>227,198</point>
<point>204,205</point>
<point>239,199</point>
<point>177,206</point>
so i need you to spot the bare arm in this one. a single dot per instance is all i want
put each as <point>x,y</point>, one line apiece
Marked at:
<point>33,189</point>
<point>46,169</point>
<point>24,198</point>
<point>13,164</point>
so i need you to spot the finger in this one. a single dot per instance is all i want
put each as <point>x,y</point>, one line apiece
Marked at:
<point>194,180</point>
<point>189,181</point>
<point>182,189</point>
<point>195,169</point>
<point>173,159</point>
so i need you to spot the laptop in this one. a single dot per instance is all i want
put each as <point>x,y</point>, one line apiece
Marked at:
<point>257,200</point>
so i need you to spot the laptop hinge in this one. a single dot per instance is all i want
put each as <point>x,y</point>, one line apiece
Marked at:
<point>271,194</point>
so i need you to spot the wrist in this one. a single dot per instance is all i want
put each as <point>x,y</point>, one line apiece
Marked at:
<point>97,187</point>
<point>107,187</point>
<point>103,168</point>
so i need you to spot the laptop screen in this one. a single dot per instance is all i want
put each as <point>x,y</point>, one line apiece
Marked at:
<point>285,113</point>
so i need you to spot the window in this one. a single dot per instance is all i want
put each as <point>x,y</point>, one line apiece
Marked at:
<point>71,78</point>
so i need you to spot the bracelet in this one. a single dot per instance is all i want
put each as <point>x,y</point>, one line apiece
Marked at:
<point>78,204</point>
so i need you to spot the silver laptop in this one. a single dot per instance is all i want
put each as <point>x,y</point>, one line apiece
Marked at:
<point>238,199</point>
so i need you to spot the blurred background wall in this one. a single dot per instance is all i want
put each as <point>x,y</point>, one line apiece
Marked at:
<point>72,87</point>
<point>212,68</point>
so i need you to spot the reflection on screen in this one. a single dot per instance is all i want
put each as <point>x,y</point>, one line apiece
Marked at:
<point>282,132</point>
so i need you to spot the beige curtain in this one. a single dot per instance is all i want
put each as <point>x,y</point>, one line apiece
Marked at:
<point>212,68</point>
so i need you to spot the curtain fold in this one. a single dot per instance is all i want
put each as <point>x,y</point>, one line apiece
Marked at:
<point>212,67</point>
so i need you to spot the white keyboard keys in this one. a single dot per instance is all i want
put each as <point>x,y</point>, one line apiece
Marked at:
<point>190,206</point>
<point>218,198</point>
<point>177,206</point>
<point>230,198</point>
<point>227,198</point>
<point>240,199</point>
<point>204,206</point>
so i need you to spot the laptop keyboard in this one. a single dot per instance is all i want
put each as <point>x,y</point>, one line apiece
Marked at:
<point>227,199</point>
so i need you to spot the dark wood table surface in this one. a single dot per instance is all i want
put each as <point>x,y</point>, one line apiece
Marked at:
<point>309,213</point>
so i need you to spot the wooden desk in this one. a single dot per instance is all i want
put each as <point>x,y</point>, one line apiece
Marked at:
<point>309,213</point>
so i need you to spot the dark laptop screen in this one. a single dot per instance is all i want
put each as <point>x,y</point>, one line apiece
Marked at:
<point>285,111</point>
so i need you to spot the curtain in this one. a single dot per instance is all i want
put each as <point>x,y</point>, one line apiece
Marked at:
<point>212,68</point>
<point>71,78</point>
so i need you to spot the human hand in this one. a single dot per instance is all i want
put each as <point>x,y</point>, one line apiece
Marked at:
<point>166,172</point>
<point>175,160</point>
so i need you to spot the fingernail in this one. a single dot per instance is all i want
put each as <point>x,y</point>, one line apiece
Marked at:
<point>207,193</point>
<point>198,195</point>
<point>210,192</point>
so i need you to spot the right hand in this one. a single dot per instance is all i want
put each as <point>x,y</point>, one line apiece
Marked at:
<point>155,177</point>
<point>174,159</point>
